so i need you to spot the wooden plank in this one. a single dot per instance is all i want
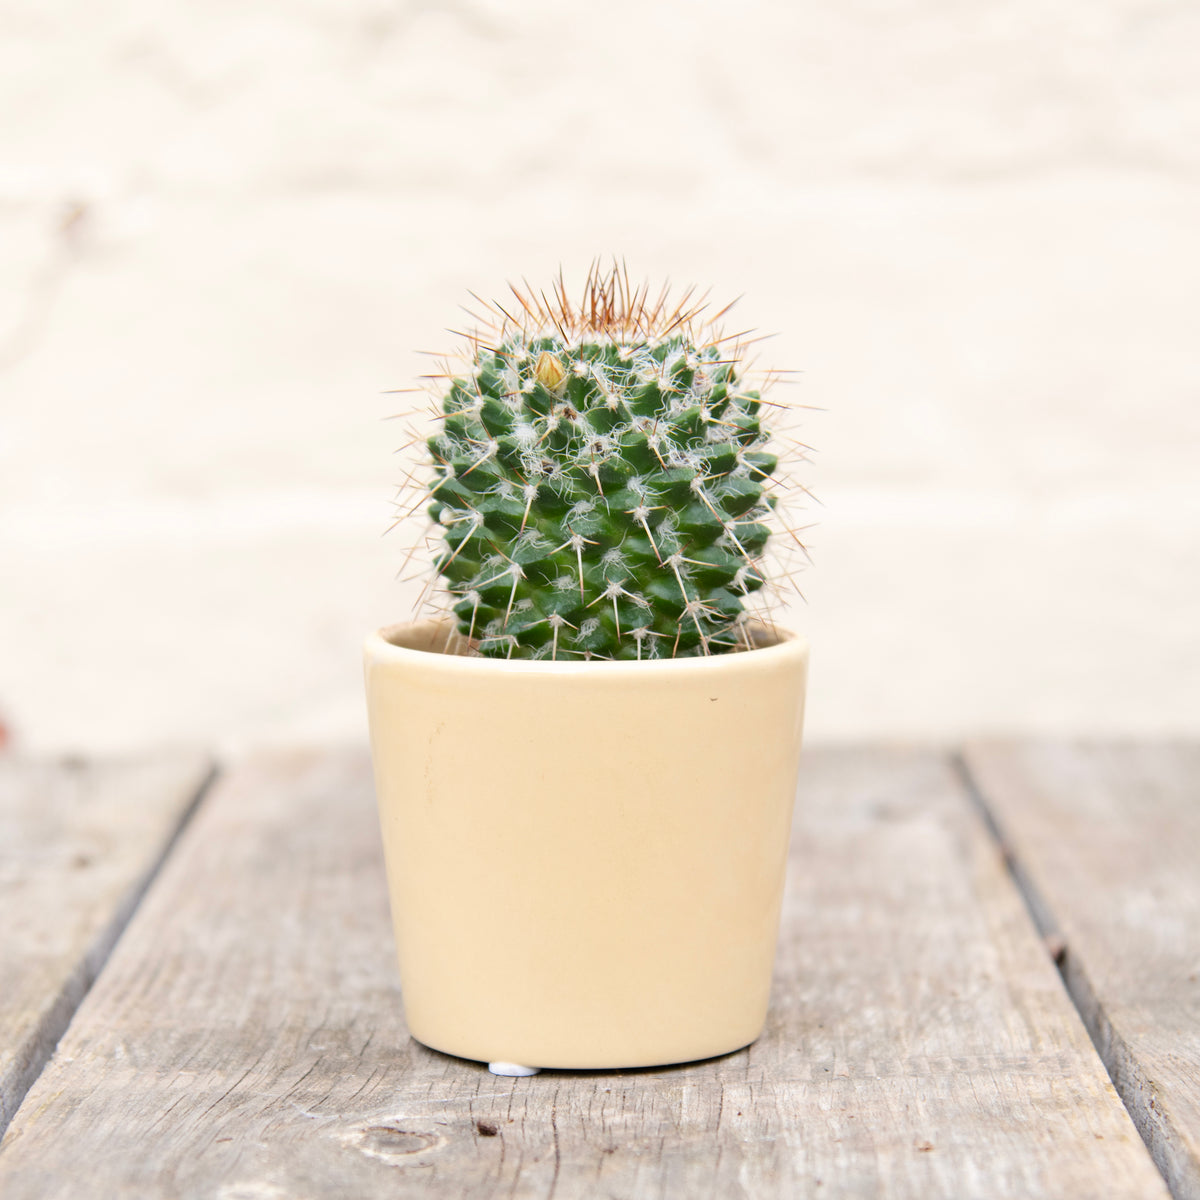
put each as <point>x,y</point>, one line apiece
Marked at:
<point>246,1039</point>
<point>78,844</point>
<point>1106,843</point>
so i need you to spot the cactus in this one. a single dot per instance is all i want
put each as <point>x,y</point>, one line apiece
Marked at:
<point>601,479</point>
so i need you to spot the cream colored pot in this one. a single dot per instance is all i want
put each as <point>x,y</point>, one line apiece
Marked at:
<point>586,859</point>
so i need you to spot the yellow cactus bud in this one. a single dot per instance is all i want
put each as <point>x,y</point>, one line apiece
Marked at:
<point>549,371</point>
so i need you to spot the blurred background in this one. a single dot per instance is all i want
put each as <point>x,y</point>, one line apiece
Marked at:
<point>226,228</point>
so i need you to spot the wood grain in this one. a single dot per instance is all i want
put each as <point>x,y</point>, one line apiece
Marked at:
<point>1106,843</point>
<point>77,846</point>
<point>246,1040</point>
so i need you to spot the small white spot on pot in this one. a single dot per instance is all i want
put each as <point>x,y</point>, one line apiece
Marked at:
<point>513,1069</point>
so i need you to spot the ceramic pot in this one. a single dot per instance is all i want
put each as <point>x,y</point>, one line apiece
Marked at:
<point>586,859</point>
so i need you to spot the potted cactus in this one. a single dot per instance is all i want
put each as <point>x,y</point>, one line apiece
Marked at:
<point>586,764</point>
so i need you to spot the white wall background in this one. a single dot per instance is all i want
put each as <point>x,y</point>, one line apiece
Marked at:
<point>226,226</point>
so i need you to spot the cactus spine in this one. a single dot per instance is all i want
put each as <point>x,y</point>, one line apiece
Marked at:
<point>600,480</point>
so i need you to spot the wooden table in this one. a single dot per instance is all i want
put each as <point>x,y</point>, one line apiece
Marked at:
<point>198,996</point>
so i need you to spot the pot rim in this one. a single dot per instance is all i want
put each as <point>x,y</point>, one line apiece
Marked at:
<point>787,644</point>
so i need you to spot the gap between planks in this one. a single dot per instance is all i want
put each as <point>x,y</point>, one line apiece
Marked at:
<point>1168,1146</point>
<point>180,782</point>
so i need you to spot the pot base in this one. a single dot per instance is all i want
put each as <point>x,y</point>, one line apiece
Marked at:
<point>590,1061</point>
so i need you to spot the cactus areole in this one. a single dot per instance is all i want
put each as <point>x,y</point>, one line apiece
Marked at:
<point>601,479</point>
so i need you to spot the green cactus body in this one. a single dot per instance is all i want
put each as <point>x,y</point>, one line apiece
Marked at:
<point>600,490</point>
